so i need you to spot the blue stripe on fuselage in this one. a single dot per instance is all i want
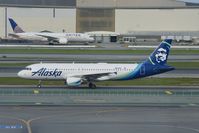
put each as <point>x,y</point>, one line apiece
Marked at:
<point>133,74</point>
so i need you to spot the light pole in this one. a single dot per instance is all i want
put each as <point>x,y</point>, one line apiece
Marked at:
<point>6,17</point>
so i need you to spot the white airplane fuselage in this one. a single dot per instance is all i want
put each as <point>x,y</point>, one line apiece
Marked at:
<point>62,70</point>
<point>70,37</point>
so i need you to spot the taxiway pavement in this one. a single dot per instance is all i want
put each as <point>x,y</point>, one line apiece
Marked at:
<point>26,109</point>
<point>77,119</point>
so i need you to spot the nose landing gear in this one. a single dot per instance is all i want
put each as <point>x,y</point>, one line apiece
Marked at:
<point>39,84</point>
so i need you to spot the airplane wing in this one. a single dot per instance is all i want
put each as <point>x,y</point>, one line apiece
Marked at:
<point>60,40</point>
<point>93,77</point>
<point>50,38</point>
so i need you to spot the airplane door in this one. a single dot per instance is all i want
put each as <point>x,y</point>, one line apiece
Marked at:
<point>142,70</point>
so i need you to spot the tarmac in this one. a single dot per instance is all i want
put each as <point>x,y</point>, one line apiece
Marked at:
<point>95,119</point>
<point>172,109</point>
<point>133,95</point>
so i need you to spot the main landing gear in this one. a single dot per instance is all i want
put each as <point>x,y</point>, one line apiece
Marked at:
<point>91,85</point>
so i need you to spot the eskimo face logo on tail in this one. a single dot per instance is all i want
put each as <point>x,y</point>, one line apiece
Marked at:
<point>161,55</point>
<point>45,72</point>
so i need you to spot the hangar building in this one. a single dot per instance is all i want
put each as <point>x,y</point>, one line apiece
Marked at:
<point>121,16</point>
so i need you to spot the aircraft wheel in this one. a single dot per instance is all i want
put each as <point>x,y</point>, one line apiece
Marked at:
<point>91,85</point>
<point>39,86</point>
<point>51,43</point>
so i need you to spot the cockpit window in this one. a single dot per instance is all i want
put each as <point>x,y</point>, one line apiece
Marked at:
<point>28,68</point>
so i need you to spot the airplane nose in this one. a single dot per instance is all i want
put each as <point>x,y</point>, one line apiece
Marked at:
<point>21,73</point>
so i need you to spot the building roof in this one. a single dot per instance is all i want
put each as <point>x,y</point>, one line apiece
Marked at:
<point>101,3</point>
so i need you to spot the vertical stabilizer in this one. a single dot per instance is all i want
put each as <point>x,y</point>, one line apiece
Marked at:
<point>15,27</point>
<point>160,54</point>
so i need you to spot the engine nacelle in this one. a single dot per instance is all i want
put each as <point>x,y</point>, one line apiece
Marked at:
<point>63,41</point>
<point>73,81</point>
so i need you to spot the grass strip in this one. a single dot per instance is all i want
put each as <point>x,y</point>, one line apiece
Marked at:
<point>184,65</point>
<point>137,82</point>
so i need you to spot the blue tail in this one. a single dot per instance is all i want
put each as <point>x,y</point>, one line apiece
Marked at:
<point>155,64</point>
<point>160,54</point>
<point>15,27</point>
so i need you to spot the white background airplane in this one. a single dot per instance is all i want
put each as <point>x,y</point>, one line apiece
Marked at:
<point>77,74</point>
<point>52,38</point>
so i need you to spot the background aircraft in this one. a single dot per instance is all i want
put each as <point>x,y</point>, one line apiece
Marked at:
<point>77,74</point>
<point>52,38</point>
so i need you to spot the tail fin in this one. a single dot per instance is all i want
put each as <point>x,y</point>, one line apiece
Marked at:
<point>15,27</point>
<point>160,54</point>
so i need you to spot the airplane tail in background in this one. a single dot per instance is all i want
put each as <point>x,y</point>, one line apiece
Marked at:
<point>160,54</point>
<point>15,27</point>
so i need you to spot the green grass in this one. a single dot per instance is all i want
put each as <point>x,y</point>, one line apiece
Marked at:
<point>67,51</point>
<point>144,81</point>
<point>14,64</point>
<point>177,65</point>
<point>184,65</point>
<point>155,82</point>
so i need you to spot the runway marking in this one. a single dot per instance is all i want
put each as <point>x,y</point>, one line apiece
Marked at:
<point>97,112</point>
<point>88,100</point>
<point>36,91</point>
<point>58,114</point>
<point>38,103</point>
<point>192,104</point>
<point>169,92</point>
<point>19,119</point>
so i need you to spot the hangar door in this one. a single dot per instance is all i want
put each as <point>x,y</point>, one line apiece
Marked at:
<point>113,39</point>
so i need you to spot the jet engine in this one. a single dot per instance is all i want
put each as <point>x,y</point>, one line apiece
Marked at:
<point>73,81</point>
<point>63,41</point>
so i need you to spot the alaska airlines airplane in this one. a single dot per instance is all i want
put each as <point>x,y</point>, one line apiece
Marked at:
<point>78,74</point>
<point>52,38</point>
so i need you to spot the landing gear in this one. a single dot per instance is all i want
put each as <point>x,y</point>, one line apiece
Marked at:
<point>65,82</point>
<point>91,85</point>
<point>51,43</point>
<point>39,84</point>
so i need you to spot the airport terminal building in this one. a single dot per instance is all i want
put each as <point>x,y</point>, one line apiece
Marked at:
<point>120,16</point>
